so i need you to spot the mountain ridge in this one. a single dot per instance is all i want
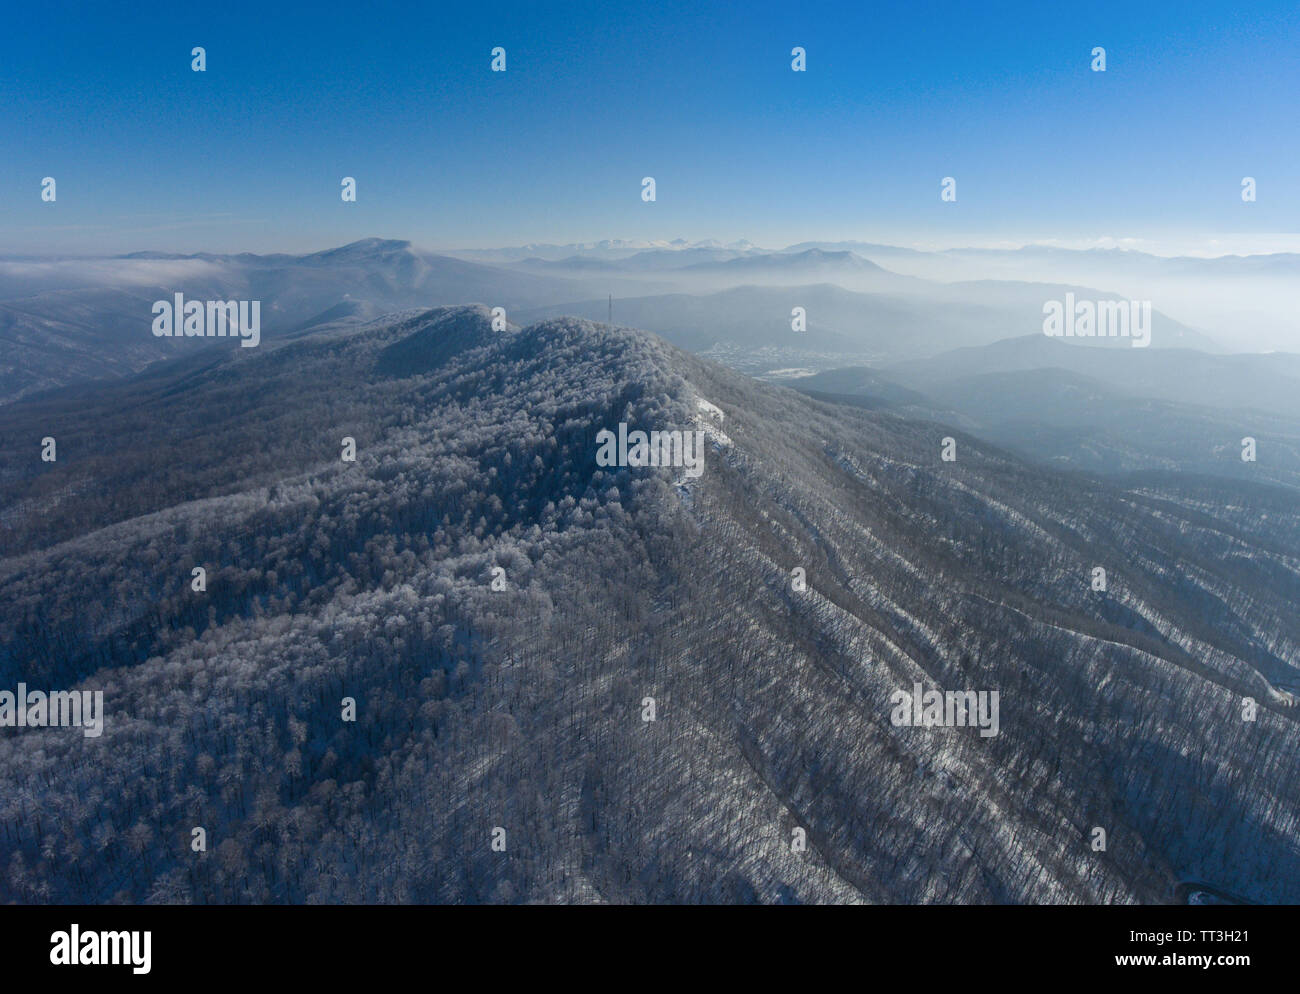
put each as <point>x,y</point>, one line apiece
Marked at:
<point>521,707</point>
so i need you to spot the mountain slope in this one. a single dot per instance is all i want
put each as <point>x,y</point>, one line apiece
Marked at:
<point>522,708</point>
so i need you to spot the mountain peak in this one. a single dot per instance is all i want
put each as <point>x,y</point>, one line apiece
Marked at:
<point>364,249</point>
<point>436,335</point>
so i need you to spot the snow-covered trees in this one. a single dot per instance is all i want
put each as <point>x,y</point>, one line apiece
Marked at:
<point>474,708</point>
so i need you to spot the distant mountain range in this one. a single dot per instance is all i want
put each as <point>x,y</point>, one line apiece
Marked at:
<point>63,322</point>
<point>66,321</point>
<point>1175,411</point>
<point>620,249</point>
<point>843,325</point>
<point>1246,303</point>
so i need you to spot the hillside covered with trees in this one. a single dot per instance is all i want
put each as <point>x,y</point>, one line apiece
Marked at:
<point>499,608</point>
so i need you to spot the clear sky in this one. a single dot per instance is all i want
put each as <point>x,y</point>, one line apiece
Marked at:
<point>249,155</point>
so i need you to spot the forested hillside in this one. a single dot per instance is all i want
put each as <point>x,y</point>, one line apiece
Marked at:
<point>500,608</point>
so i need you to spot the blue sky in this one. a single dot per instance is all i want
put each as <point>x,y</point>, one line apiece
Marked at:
<point>249,154</point>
